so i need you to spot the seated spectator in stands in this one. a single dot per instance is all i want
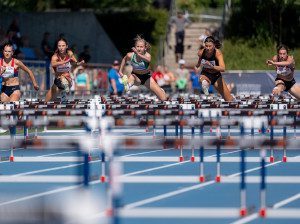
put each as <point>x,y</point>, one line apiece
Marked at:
<point>181,75</point>
<point>74,50</point>
<point>12,38</point>
<point>14,26</point>
<point>48,52</point>
<point>158,76</point>
<point>1,33</point>
<point>85,55</point>
<point>116,85</point>
<point>82,83</point>
<point>202,38</point>
<point>194,84</point>
<point>46,47</point>
<point>99,79</point>
<point>169,79</point>
<point>29,51</point>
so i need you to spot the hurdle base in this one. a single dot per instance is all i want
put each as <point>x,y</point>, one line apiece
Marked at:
<point>262,212</point>
<point>193,159</point>
<point>109,212</point>
<point>284,159</point>
<point>271,159</point>
<point>202,178</point>
<point>218,179</point>
<point>102,178</point>
<point>243,212</point>
<point>11,159</point>
<point>181,158</point>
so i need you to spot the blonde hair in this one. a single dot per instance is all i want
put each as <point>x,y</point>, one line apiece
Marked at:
<point>138,38</point>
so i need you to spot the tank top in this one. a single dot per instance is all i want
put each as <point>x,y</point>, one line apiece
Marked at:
<point>212,60</point>
<point>284,70</point>
<point>139,66</point>
<point>10,71</point>
<point>64,68</point>
<point>81,78</point>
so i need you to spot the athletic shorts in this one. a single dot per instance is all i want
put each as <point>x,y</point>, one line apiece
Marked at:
<point>57,82</point>
<point>8,90</point>
<point>288,84</point>
<point>143,77</point>
<point>212,77</point>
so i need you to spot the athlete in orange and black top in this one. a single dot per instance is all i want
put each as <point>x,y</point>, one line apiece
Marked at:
<point>212,64</point>
<point>285,66</point>
<point>61,63</point>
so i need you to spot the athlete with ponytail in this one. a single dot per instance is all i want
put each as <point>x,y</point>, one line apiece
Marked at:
<point>285,66</point>
<point>61,63</point>
<point>140,59</point>
<point>212,64</point>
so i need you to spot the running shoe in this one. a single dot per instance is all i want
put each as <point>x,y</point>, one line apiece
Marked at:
<point>2,130</point>
<point>205,90</point>
<point>63,98</point>
<point>65,83</point>
<point>125,82</point>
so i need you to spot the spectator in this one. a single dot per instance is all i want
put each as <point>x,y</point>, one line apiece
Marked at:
<point>1,33</point>
<point>158,76</point>
<point>202,38</point>
<point>14,26</point>
<point>46,47</point>
<point>11,38</point>
<point>169,79</point>
<point>181,23</point>
<point>48,52</point>
<point>116,85</point>
<point>182,75</point>
<point>82,84</point>
<point>194,85</point>
<point>100,79</point>
<point>74,50</point>
<point>85,55</point>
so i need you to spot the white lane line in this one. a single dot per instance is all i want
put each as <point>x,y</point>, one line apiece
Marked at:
<point>141,153</point>
<point>167,195</point>
<point>286,201</point>
<point>183,190</point>
<point>40,194</point>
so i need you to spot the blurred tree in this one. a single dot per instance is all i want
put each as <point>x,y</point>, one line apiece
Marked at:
<point>265,22</point>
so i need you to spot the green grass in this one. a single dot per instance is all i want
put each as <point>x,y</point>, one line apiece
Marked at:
<point>239,55</point>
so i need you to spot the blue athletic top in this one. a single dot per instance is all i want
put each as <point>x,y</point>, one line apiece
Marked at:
<point>195,80</point>
<point>81,78</point>
<point>119,84</point>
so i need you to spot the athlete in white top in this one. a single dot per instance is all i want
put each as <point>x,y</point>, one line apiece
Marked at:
<point>140,74</point>
<point>285,66</point>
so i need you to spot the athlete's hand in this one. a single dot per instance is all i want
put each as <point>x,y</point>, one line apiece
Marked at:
<point>121,74</point>
<point>80,62</point>
<point>209,64</point>
<point>198,67</point>
<point>134,50</point>
<point>2,69</point>
<point>270,62</point>
<point>36,87</point>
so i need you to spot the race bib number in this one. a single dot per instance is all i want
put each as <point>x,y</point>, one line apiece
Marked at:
<point>203,62</point>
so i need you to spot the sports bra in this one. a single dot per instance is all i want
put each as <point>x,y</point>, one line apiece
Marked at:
<point>64,68</point>
<point>284,70</point>
<point>10,71</point>
<point>212,60</point>
<point>140,66</point>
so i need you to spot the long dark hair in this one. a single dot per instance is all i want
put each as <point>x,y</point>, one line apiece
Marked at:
<point>282,47</point>
<point>216,42</point>
<point>64,40</point>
